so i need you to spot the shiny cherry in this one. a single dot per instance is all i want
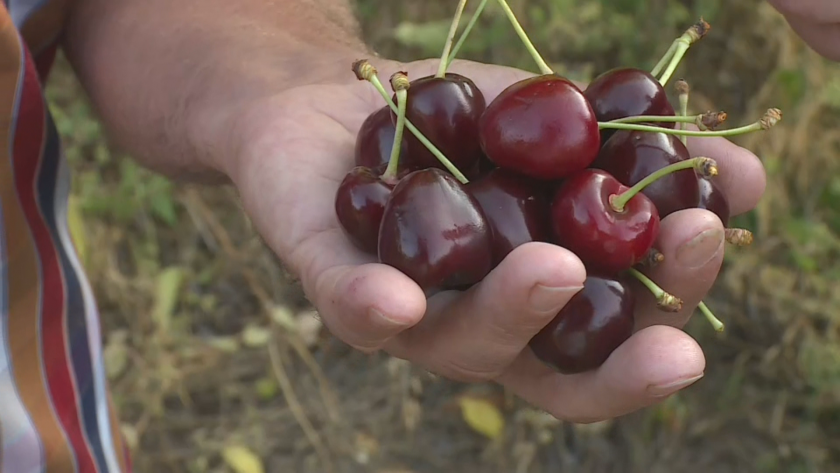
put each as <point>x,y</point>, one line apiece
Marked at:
<point>446,111</point>
<point>375,139</point>
<point>627,92</point>
<point>631,156</point>
<point>542,127</point>
<point>360,202</point>
<point>712,198</point>
<point>516,208</point>
<point>584,221</point>
<point>433,230</point>
<point>595,322</point>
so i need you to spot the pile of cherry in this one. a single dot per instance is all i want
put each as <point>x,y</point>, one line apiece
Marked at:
<point>593,171</point>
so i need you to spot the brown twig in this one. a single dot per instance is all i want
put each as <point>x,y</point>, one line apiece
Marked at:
<point>295,407</point>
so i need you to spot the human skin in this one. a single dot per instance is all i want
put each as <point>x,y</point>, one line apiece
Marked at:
<point>817,22</point>
<point>260,95</point>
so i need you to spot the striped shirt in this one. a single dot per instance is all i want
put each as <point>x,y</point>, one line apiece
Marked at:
<point>55,411</point>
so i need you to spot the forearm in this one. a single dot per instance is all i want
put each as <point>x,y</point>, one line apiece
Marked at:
<point>169,77</point>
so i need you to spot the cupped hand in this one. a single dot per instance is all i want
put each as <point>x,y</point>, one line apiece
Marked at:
<point>817,22</point>
<point>298,148</point>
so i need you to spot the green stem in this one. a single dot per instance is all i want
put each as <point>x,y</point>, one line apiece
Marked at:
<point>656,118</point>
<point>662,62</point>
<point>525,40</point>
<point>680,46</point>
<point>703,166</point>
<point>444,57</point>
<point>757,126</point>
<point>466,33</point>
<point>716,323</point>
<point>665,301</point>
<point>393,163</point>
<point>428,144</point>
<point>683,90</point>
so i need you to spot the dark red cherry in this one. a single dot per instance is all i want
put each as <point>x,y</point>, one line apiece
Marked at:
<point>375,139</point>
<point>516,208</point>
<point>627,92</point>
<point>446,111</point>
<point>542,127</point>
<point>712,198</point>
<point>359,204</point>
<point>584,221</point>
<point>631,156</point>
<point>595,322</point>
<point>433,230</point>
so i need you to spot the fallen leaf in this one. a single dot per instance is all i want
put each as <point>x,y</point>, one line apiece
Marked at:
<point>254,336</point>
<point>166,296</point>
<point>77,228</point>
<point>482,416</point>
<point>242,460</point>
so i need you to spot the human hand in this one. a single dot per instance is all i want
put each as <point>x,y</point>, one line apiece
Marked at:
<point>817,22</point>
<point>297,148</point>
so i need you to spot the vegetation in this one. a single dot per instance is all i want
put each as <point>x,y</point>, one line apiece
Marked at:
<point>214,355</point>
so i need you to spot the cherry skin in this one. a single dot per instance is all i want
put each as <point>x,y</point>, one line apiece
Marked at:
<point>446,111</point>
<point>631,156</point>
<point>584,222</point>
<point>433,231</point>
<point>627,92</point>
<point>595,322</point>
<point>375,139</point>
<point>516,208</point>
<point>360,202</point>
<point>712,198</point>
<point>542,127</point>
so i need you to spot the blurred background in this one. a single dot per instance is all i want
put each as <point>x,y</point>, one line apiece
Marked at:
<point>218,365</point>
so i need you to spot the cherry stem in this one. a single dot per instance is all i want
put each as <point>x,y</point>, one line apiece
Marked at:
<point>683,91</point>
<point>453,28</point>
<point>665,301</point>
<point>738,236</point>
<point>716,323</point>
<point>706,167</point>
<point>525,40</point>
<point>665,58</point>
<point>467,31</point>
<point>704,121</point>
<point>653,258</point>
<point>770,118</point>
<point>680,46</point>
<point>400,84</point>
<point>364,70</point>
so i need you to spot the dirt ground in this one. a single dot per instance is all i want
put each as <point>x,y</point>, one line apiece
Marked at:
<point>211,344</point>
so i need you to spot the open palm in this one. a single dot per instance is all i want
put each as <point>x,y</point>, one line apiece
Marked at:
<point>298,151</point>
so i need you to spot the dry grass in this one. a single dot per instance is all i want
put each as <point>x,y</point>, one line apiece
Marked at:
<point>210,343</point>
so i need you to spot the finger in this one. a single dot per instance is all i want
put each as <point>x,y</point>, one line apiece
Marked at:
<point>742,177</point>
<point>692,242</point>
<point>811,11</point>
<point>823,37</point>
<point>477,335</point>
<point>364,305</point>
<point>648,367</point>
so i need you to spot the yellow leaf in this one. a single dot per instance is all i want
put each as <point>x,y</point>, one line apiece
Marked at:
<point>242,460</point>
<point>482,416</point>
<point>166,296</point>
<point>77,228</point>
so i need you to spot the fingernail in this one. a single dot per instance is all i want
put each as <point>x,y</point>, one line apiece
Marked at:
<point>545,299</point>
<point>380,319</point>
<point>662,390</point>
<point>701,249</point>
